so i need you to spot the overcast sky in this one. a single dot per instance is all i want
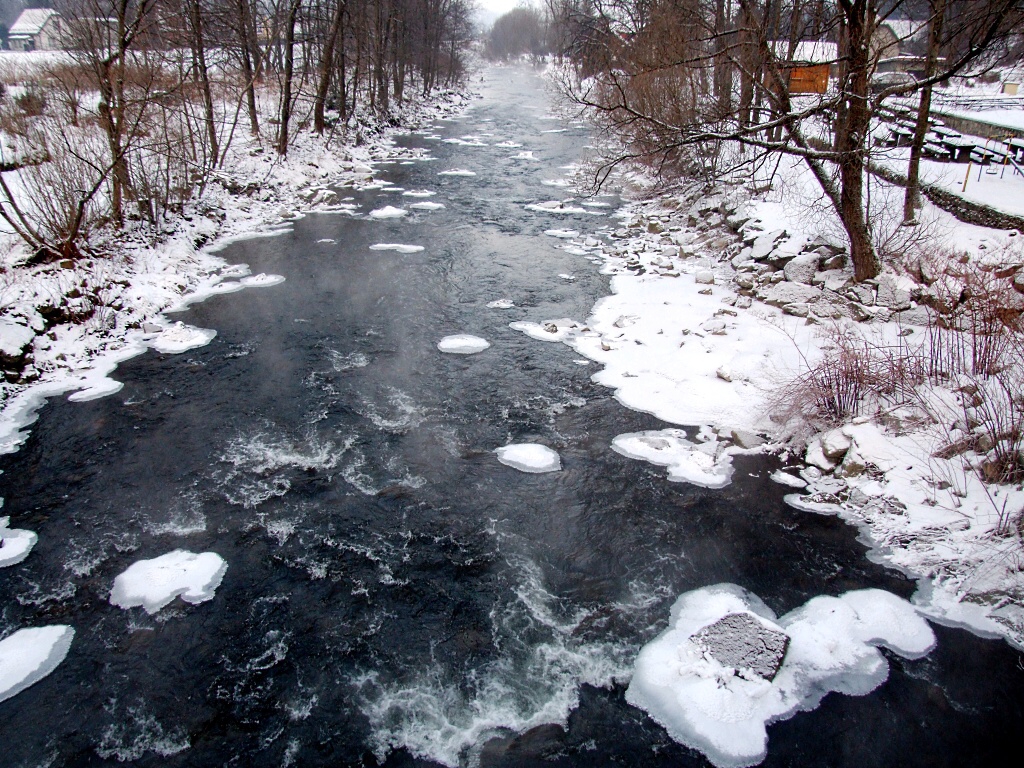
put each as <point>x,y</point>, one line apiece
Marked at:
<point>499,6</point>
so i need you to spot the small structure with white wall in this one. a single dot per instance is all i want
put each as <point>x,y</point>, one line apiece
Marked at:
<point>37,29</point>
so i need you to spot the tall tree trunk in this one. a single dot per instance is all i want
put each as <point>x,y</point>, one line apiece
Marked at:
<point>327,67</point>
<point>248,70</point>
<point>912,197</point>
<point>203,75</point>
<point>289,68</point>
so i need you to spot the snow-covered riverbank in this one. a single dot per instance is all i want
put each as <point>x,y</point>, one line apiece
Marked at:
<point>719,304</point>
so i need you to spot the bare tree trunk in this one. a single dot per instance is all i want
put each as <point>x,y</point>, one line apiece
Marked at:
<point>289,68</point>
<point>248,72</point>
<point>199,54</point>
<point>912,198</point>
<point>327,67</point>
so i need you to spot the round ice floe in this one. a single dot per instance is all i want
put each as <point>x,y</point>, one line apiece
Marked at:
<point>707,703</point>
<point>262,280</point>
<point>154,583</point>
<point>181,338</point>
<point>530,457</point>
<point>29,655</point>
<point>388,212</point>
<point>15,544</point>
<point>564,234</point>
<point>457,172</point>
<point>419,193</point>
<point>396,247</point>
<point>428,206</point>
<point>501,304</point>
<point>463,344</point>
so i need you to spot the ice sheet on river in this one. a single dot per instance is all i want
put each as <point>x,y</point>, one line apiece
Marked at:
<point>457,172</point>
<point>529,457</point>
<point>462,344</point>
<point>427,206</point>
<point>550,330</point>
<point>399,247</point>
<point>722,711</point>
<point>153,584</point>
<point>262,280</point>
<point>29,655</point>
<point>15,543</point>
<point>388,212</point>
<point>704,464</point>
<point>181,338</point>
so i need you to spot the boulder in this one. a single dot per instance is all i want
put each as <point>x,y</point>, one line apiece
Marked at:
<point>835,279</point>
<point>704,277</point>
<point>745,439</point>
<point>715,327</point>
<point>853,464</point>
<point>742,257</point>
<point>802,268</point>
<point>816,457</point>
<point>744,641</point>
<point>765,244</point>
<point>835,444</point>
<point>783,293</point>
<point>891,294</point>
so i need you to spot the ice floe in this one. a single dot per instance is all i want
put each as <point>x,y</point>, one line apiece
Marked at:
<point>711,702</point>
<point>456,172</point>
<point>508,144</point>
<point>418,193</point>
<point>564,234</point>
<point>262,280</point>
<point>154,583</point>
<point>388,212</point>
<point>462,344</point>
<point>529,457</point>
<point>181,338</point>
<point>558,206</point>
<point>501,304</point>
<point>550,330</point>
<point>15,543</point>
<point>29,655</point>
<point>399,247</point>
<point>705,464</point>
<point>525,155</point>
<point>427,206</point>
<point>228,286</point>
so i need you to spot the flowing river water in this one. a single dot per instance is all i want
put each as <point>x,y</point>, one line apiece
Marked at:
<point>393,593</point>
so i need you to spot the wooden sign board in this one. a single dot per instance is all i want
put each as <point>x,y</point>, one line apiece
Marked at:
<point>810,79</point>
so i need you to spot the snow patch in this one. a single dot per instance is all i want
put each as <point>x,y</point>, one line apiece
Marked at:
<point>29,655</point>
<point>463,344</point>
<point>388,212</point>
<point>15,543</point>
<point>529,457</point>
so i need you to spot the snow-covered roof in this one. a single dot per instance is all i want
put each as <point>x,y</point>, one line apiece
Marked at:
<point>806,51</point>
<point>32,21</point>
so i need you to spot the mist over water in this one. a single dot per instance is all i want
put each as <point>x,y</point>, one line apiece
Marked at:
<point>395,594</point>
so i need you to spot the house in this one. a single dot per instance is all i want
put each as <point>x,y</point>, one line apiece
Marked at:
<point>37,29</point>
<point>808,64</point>
<point>900,45</point>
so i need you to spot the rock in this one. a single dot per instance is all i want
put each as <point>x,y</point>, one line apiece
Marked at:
<point>745,439</point>
<point>715,327</point>
<point>891,295</point>
<point>737,220</point>
<point>835,444</point>
<point>783,293</point>
<point>919,316</point>
<point>833,262</point>
<point>765,244</point>
<point>655,228</point>
<point>704,277</point>
<point>151,328</point>
<point>863,294</point>
<point>745,280</point>
<point>816,457</point>
<point>743,302</point>
<point>14,337</point>
<point>744,641</point>
<point>853,464</point>
<point>742,257</point>
<point>724,373</point>
<point>801,269</point>
<point>796,310</point>
<point>670,251</point>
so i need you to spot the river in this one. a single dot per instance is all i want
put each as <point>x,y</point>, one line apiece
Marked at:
<point>395,594</point>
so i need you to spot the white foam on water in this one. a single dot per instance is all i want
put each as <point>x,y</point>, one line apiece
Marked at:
<point>402,413</point>
<point>136,732</point>
<point>388,212</point>
<point>15,543</point>
<point>427,206</point>
<point>28,655</point>
<point>181,338</point>
<point>399,247</point>
<point>456,172</point>
<point>704,464</point>
<point>529,457</point>
<point>463,344</point>
<point>153,584</point>
<point>347,362</point>
<point>723,712</point>
<point>262,280</point>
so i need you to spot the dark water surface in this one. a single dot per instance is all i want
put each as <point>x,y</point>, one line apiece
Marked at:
<point>393,593</point>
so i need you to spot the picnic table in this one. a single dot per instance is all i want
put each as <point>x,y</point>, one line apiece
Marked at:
<point>945,133</point>
<point>959,149</point>
<point>903,137</point>
<point>982,156</point>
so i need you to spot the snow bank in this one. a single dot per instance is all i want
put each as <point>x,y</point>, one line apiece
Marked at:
<point>154,583</point>
<point>723,711</point>
<point>15,544</point>
<point>529,457</point>
<point>29,655</point>
<point>463,344</point>
<point>181,338</point>
<point>388,212</point>
<point>562,329</point>
<point>400,248</point>
<point>704,464</point>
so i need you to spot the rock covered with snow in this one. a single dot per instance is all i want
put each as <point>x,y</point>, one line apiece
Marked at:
<point>463,344</point>
<point>15,544</point>
<point>721,706</point>
<point>153,584</point>
<point>529,457</point>
<point>181,338</point>
<point>29,655</point>
<point>704,464</point>
<point>14,337</point>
